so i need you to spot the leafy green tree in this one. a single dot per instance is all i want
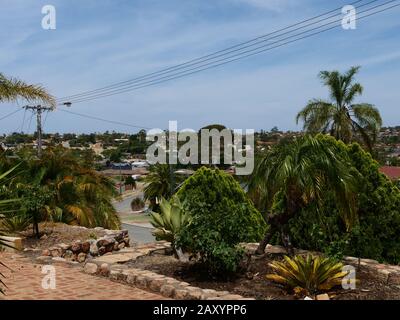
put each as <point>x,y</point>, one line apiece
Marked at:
<point>35,198</point>
<point>341,117</point>
<point>11,89</point>
<point>130,181</point>
<point>116,156</point>
<point>221,216</point>
<point>297,175</point>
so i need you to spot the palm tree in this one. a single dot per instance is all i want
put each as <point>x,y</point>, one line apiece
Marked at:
<point>341,117</point>
<point>11,89</point>
<point>161,182</point>
<point>57,187</point>
<point>299,174</point>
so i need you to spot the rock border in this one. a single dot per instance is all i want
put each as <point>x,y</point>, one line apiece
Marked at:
<point>144,279</point>
<point>172,288</point>
<point>79,251</point>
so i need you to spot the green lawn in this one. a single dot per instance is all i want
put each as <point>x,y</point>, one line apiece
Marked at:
<point>136,218</point>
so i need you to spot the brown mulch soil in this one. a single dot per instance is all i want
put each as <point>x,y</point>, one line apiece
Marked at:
<point>254,284</point>
<point>56,233</point>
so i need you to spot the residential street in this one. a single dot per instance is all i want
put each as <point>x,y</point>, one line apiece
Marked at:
<point>136,232</point>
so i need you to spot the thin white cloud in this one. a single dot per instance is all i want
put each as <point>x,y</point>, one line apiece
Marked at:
<point>273,5</point>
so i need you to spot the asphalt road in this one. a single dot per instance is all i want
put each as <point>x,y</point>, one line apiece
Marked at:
<point>139,234</point>
<point>136,233</point>
<point>124,206</point>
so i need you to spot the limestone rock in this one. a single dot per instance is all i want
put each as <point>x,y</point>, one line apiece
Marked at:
<point>76,247</point>
<point>94,250</point>
<point>43,258</point>
<point>85,246</point>
<point>121,245</point>
<point>181,294</point>
<point>167,290</point>
<point>68,255</point>
<point>102,250</point>
<point>323,296</point>
<point>81,257</point>
<point>90,268</point>
<point>104,269</point>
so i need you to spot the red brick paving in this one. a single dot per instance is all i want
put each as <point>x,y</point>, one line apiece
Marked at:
<point>24,282</point>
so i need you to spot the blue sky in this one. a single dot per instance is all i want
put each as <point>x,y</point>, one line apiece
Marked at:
<point>100,42</point>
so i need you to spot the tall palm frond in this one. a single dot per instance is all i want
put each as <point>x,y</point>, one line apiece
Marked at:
<point>341,117</point>
<point>161,182</point>
<point>11,89</point>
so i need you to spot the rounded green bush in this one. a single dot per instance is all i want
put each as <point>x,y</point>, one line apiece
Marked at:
<point>221,217</point>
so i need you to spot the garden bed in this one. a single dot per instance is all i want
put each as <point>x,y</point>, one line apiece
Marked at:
<point>371,285</point>
<point>55,233</point>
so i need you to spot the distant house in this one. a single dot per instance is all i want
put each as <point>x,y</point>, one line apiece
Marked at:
<point>97,148</point>
<point>121,166</point>
<point>391,172</point>
<point>65,144</point>
<point>140,164</point>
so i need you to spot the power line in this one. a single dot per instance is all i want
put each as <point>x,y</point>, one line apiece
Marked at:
<point>29,125</point>
<point>223,61</point>
<point>207,57</point>
<point>105,120</point>
<point>10,114</point>
<point>45,118</point>
<point>23,122</point>
<point>211,65</point>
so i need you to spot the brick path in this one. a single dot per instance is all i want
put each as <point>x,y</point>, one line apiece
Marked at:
<point>25,279</point>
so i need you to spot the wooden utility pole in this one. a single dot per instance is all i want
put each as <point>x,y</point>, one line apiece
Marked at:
<point>39,110</point>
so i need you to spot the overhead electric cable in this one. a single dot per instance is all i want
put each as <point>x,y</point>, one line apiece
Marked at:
<point>104,120</point>
<point>241,56</point>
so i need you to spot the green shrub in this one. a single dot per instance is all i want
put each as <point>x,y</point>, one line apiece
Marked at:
<point>221,217</point>
<point>137,204</point>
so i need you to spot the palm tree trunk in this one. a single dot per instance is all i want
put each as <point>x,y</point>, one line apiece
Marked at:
<point>267,238</point>
<point>36,226</point>
<point>279,222</point>
<point>287,243</point>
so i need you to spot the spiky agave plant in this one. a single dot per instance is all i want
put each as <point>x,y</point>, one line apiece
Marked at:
<point>169,222</point>
<point>309,275</point>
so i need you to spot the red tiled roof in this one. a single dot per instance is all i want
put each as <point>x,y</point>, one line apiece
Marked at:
<point>392,172</point>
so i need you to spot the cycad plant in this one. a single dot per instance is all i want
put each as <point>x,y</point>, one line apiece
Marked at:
<point>341,117</point>
<point>169,222</point>
<point>309,275</point>
<point>295,175</point>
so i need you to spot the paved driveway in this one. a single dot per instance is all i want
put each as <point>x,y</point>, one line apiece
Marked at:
<point>24,282</point>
